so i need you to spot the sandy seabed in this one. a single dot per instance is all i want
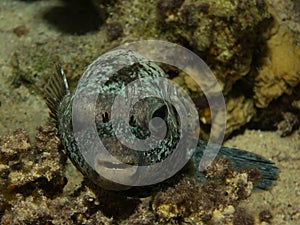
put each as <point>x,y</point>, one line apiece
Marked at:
<point>284,198</point>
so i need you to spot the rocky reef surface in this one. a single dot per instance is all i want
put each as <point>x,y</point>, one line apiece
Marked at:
<point>38,186</point>
<point>247,44</point>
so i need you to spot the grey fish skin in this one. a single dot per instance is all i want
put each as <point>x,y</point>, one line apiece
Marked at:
<point>59,101</point>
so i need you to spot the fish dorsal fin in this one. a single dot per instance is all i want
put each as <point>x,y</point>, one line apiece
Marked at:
<point>55,90</point>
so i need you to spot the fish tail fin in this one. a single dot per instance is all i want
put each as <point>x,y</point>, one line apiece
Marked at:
<point>54,91</point>
<point>242,160</point>
<point>245,160</point>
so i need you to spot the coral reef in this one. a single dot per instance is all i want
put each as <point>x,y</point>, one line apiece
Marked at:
<point>38,209</point>
<point>288,124</point>
<point>282,114</point>
<point>231,36</point>
<point>213,202</point>
<point>240,40</point>
<point>286,12</point>
<point>240,110</point>
<point>222,32</point>
<point>32,182</point>
<point>25,167</point>
<point>279,74</point>
<point>34,179</point>
<point>32,66</point>
<point>142,215</point>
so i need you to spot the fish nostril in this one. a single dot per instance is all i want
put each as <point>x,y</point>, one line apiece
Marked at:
<point>161,112</point>
<point>105,117</point>
<point>132,121</point>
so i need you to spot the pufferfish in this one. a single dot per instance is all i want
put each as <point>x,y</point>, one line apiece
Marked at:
<point>103,80</point>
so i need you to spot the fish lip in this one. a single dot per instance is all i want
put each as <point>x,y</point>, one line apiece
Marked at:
<point>114,165</point>
<point>117,172</point>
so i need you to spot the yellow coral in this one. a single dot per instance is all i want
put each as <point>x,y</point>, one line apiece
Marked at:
<point>168,211</point>
<point>240,110</point>
<point>281,70</point>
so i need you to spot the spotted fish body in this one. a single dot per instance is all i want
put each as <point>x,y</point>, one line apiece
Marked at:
<point>107,80</point>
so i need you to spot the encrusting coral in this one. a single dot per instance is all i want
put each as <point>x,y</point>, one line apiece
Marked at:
<point>33,166</point>
<point>279,74</point>
<point>33,178</point>
<point>32,182</point>
<point>215,201</point>
<point>222,32</point>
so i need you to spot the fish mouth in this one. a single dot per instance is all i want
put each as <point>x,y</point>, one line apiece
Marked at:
<point>117,175</point>
<point>117,166</point>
